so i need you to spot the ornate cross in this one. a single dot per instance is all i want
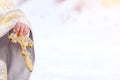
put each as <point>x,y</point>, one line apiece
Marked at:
<point>24,42</point>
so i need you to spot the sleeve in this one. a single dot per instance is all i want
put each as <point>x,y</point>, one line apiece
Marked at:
<point>10,14</point>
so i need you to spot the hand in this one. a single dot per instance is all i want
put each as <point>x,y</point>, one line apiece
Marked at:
<point>21,29</point>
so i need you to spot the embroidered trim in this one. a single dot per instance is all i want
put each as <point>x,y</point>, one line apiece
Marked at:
<point>6,3</point>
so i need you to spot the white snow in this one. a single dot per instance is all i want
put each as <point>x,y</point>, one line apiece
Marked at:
<point>71,45</point>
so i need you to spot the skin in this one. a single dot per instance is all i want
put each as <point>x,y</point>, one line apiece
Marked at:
<point>21,29</point>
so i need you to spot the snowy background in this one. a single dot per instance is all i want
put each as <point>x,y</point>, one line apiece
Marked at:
<point>75,39</point>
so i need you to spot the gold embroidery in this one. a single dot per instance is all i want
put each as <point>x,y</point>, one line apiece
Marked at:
<point>24,42</point>
<point>6,3</point>
<point>9,17</point>
<point>110,2</point>
<point>3,70</point>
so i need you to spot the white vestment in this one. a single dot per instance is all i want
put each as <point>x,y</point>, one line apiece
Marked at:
<point>10,54</point>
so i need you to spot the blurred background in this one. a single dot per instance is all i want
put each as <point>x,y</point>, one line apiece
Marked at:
<point>75,39</point>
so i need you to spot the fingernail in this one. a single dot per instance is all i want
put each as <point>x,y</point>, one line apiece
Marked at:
<point>24,33</point>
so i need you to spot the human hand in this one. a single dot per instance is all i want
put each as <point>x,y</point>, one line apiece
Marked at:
<point>21,29</point>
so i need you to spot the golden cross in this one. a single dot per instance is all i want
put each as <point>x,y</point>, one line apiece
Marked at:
<point>24,42</point>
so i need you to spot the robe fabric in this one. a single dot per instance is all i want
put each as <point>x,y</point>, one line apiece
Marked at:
<point>10,54</point>
<point>3,71</point>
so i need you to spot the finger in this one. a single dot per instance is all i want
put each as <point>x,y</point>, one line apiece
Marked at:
<point>25,30</point>
<point>21,29</point>
<point>17,28</point>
